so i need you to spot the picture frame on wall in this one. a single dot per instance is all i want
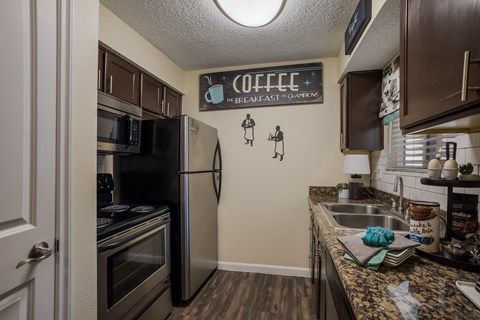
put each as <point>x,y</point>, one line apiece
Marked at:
<point>359,21</point>
<point>262,87</point>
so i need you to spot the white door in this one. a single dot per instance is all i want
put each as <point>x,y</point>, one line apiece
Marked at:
<point>28,90</point>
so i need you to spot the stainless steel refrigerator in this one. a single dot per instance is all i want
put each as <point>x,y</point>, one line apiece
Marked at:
<point>180,166</point>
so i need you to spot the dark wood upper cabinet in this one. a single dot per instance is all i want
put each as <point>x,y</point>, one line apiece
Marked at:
<point>360,127</point>
<point>173,103</point>
<point>151,94</point>
<point>434,38</point>
<point>101,70</point>
<point>122,79</point>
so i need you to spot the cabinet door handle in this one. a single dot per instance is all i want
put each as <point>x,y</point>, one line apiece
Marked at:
<point>99,78</point>
<point>133,87</point>
<point>466,70</point>
<point>110,85</point>
<point>168,108</point>
<point>158,99</point>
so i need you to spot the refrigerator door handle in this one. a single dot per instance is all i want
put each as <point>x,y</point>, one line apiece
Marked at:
<point>218,188</point>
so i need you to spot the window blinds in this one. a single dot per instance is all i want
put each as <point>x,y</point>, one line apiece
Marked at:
<point>414,151</point>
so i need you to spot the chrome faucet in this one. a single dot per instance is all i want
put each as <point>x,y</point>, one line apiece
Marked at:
<point>395,189</point>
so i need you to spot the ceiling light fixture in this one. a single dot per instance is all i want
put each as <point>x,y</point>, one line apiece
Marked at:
<point>251,13</point>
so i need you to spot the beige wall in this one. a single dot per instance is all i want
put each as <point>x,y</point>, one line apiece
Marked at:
<point>263,213</point>
<point>83,121</point>
<point>119,36</point>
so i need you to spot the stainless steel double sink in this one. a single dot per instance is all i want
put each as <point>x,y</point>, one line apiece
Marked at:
<point>360,216</point>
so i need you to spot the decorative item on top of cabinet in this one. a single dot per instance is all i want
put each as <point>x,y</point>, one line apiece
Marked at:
<point>151,95</point>
<point>440,66</point>
<point>360,98</point>
<point>173,103</point>
<point>121,78</point>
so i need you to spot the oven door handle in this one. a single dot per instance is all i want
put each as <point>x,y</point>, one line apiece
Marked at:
<point>122,240</point>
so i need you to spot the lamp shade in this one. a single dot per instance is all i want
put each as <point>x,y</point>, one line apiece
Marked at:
<point>251,13</point>
<point>356,164</point>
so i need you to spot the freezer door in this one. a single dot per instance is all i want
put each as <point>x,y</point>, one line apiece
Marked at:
<point>198,142</point>
<point>199,230</point>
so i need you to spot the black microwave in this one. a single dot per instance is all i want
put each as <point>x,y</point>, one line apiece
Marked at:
<point>119,125</point>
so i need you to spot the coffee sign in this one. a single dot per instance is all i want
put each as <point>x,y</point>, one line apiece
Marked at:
<point>273,86</point>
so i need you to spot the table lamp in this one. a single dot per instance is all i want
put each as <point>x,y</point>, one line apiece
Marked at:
<point>356,164</point>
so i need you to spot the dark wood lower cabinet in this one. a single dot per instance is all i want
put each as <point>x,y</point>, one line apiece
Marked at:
<point>330,299</point>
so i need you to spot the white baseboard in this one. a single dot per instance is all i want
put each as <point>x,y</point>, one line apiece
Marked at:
<point>265,269</point>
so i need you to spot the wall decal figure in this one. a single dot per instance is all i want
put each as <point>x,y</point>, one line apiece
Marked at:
<point>248,125</point>
<point>279,146</point>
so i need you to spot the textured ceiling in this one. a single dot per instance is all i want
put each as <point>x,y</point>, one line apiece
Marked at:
<point>196,35</point>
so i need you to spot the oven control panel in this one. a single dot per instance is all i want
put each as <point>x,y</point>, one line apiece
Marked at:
<point>104,183</point>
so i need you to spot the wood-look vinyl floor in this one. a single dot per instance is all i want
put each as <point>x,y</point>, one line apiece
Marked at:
<point>250,296</point>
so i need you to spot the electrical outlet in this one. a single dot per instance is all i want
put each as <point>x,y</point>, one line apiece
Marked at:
<point>376,175</point>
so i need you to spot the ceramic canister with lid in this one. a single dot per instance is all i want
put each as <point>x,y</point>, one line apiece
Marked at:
<point>425,224</point>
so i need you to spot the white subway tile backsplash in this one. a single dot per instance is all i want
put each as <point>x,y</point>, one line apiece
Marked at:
<point>418,184</point>
<point>388,177</point>
<point>472,155</point>
<point>475,139</point>
<point>442,200</point>
<point>473,191</point>
<point>463,141</point>
<point>409,182</point>
<point>461,156</point>
<point>459,190</point>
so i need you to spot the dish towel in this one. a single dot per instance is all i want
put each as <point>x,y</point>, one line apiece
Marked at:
<point>374,262</point>
<point>361,253</point>
<point>357,250</point>
<point>378,237</point>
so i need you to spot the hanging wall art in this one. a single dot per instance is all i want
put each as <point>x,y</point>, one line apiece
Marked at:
<point>273,86</point>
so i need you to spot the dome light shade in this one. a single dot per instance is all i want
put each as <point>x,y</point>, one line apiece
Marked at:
<point>251,13</point>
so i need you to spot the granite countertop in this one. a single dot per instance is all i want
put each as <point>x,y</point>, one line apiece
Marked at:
<point>417,289</point>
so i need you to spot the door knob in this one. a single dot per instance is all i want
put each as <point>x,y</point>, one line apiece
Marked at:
<point>40,251</point>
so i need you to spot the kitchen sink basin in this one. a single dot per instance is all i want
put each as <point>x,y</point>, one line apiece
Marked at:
<point>353,208</point>
<point>355,221</point>
<point>361,216</point>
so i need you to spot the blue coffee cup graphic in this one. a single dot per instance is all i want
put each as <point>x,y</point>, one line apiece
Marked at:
<point>214,94</point>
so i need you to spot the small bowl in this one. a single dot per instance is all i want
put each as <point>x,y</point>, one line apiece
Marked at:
<point>469,177</point>
<point>434,173</point>
<point>450,174</point>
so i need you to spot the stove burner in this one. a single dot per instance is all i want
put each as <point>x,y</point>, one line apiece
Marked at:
<point>103,222</point>
<point>142,209</point>
<point>116,208</point>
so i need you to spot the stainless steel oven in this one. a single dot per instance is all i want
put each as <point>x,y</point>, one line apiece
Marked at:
<point>118,125</point>
<point>133,271</point>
